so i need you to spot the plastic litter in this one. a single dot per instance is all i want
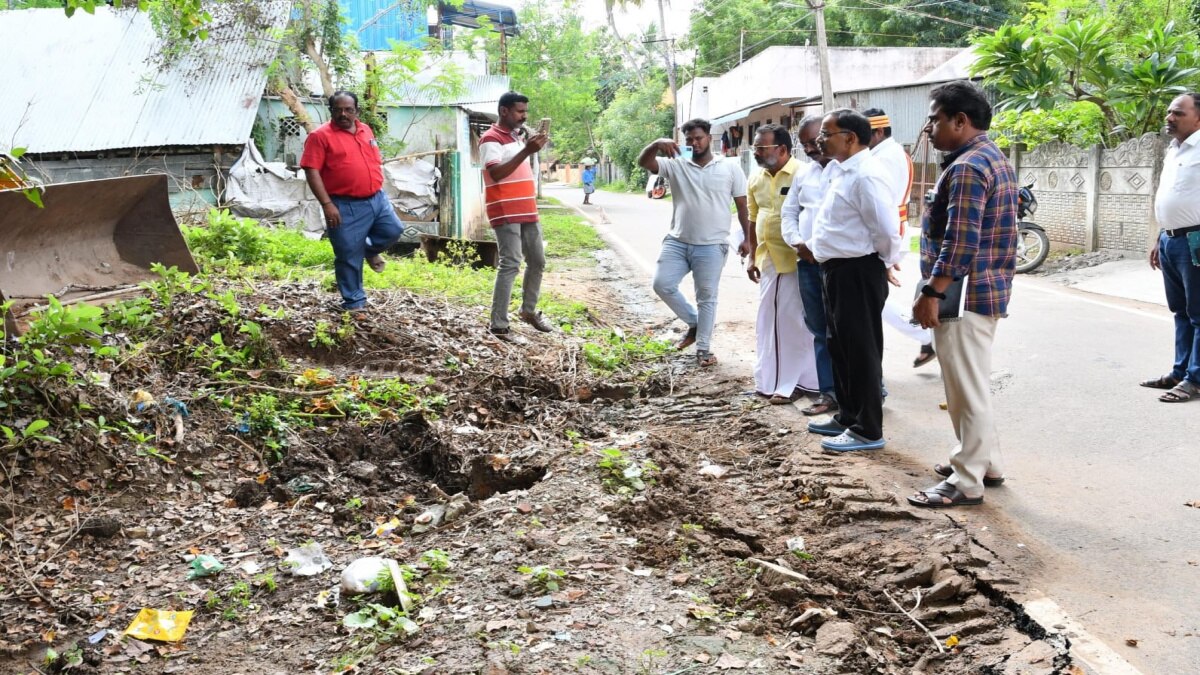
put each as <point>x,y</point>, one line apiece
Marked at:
<point>714,470</point>
<point>796,544</point>
<point>385,529</point>
<point>205,566</point>
<point>161,625</point>
<point>362,575</point>
<point>302,485</point>
<point>142,399</point>
<point>307,560</point>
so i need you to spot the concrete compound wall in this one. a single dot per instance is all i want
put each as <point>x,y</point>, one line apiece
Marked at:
<point>1096,198</point>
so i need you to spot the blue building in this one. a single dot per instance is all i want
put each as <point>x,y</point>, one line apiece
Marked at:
<point>377,22</point>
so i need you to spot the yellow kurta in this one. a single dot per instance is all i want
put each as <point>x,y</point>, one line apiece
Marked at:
<point>764,196</point>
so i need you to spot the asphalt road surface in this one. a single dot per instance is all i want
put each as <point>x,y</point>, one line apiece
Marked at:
<point>1094,511</point>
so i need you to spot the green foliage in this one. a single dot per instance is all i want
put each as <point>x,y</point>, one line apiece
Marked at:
<point>636,116</point>
<point>542,578</point>
<point>1081,124</point>
<point>569,237</point>
<point>609,351</point>
<point>556,63</point>
<point>437,560</point>
<point>229,238</point>
<point>622,475</point>
<point>1045,62</point>
<point>385,623</point>
<point>727,32</point>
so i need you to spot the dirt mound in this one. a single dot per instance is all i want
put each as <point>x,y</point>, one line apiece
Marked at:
<point>548,519</point>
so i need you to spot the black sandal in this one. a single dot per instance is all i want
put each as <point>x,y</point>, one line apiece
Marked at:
<point>1164,382</point>
<point>946,495</point>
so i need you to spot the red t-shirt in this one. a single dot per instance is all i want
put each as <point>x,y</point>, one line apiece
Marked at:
<point>350,164</point>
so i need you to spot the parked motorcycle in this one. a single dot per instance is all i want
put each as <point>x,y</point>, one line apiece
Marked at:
<point>1032,243</point>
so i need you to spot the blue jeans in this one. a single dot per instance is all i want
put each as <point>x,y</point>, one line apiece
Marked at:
<point>813,297</point>
<point>705,262</point>
<point>369,226</point>
<point>1182,281</point>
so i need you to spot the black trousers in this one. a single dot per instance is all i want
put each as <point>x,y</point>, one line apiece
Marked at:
<point>855,290</point>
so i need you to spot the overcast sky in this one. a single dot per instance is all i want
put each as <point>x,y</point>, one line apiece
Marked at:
<point>677,12</point>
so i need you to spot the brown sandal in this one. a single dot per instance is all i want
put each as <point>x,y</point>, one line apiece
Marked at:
<point>1182,393</point>
<point>705,359</point>
<point>688,339</point>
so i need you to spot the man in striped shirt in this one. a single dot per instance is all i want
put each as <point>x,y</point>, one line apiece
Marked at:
<point>968,236</point>
<point>510,195</point>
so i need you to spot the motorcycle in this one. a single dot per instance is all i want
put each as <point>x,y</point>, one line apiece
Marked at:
<point>1032,243</point>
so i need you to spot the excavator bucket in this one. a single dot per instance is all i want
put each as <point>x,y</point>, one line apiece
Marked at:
<point>94,240</point>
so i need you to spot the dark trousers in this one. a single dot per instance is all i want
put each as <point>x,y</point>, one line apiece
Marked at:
<point>855,290</point>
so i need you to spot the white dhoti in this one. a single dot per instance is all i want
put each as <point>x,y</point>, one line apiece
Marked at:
<point>893,317</point>
<point>785,358</point>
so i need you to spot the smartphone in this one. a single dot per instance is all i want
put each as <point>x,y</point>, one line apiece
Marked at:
<point>544,126</point>
<point>687,152</point>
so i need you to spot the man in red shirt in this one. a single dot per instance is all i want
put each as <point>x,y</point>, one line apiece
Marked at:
<point>510,195</point>
<point>344,169</point>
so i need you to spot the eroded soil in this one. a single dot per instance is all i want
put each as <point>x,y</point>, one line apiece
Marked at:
<point>746,549</point>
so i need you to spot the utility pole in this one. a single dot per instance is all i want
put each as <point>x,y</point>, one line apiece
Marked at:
<point>742,47</point>
<point>818,8</point>
<point>670,48</point>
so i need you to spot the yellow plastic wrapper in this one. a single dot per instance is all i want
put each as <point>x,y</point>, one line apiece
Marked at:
<point>153,624</point>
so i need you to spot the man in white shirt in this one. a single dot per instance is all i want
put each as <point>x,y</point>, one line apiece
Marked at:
<point>702,187</point>
<point>1177,209</point>
<point>898,168</point>
<point>803,199</point>
<point>855,238</point>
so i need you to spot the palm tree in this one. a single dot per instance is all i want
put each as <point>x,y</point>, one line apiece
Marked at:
<point>612,24</point>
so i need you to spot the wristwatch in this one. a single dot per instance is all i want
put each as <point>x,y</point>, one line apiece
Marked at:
<point>929,292</point>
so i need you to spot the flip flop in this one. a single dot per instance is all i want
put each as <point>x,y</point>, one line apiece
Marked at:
<point>946,495</point>
<point>945,471</point>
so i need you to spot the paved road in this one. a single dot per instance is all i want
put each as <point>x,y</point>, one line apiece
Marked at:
<point>1099,471</point>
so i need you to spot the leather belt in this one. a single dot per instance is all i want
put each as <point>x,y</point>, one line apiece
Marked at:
<point>348,198</point>
<point>1181,231</point>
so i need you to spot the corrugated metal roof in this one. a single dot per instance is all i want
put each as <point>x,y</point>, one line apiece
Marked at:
<point>93,82</point>
<point>480,94</point>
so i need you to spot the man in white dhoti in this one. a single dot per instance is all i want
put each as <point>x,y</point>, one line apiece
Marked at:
<point>899,169</point>
<point>785,365</point>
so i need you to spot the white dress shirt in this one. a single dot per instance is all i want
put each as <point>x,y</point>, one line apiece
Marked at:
<point>857,216</point>
<point>803,198</point>
<point>1177,202</point>
<point>894,161</point>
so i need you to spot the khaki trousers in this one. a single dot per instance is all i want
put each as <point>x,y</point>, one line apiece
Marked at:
<point>964,349</point>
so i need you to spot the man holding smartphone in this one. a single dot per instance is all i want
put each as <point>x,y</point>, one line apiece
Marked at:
<point>510,195</point>
<point>702,186</point>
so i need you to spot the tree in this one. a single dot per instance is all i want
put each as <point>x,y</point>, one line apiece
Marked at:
<point>636,116</point>
<point>1046,62</point>
<point>557,65</point>
<point>609,5</point>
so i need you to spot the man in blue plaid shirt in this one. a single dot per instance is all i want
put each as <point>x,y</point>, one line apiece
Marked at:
<point>968,236</point>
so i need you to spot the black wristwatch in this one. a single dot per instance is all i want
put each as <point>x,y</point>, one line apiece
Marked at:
<point>929,291</point>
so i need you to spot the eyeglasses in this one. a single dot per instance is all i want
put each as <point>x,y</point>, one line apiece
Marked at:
<point>826,134</point>
<point>764,147</point>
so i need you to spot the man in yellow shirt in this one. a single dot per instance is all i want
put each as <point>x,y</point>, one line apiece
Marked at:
<point>785,359</point>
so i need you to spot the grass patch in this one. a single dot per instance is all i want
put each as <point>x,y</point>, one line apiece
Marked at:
<point>241,247</point>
